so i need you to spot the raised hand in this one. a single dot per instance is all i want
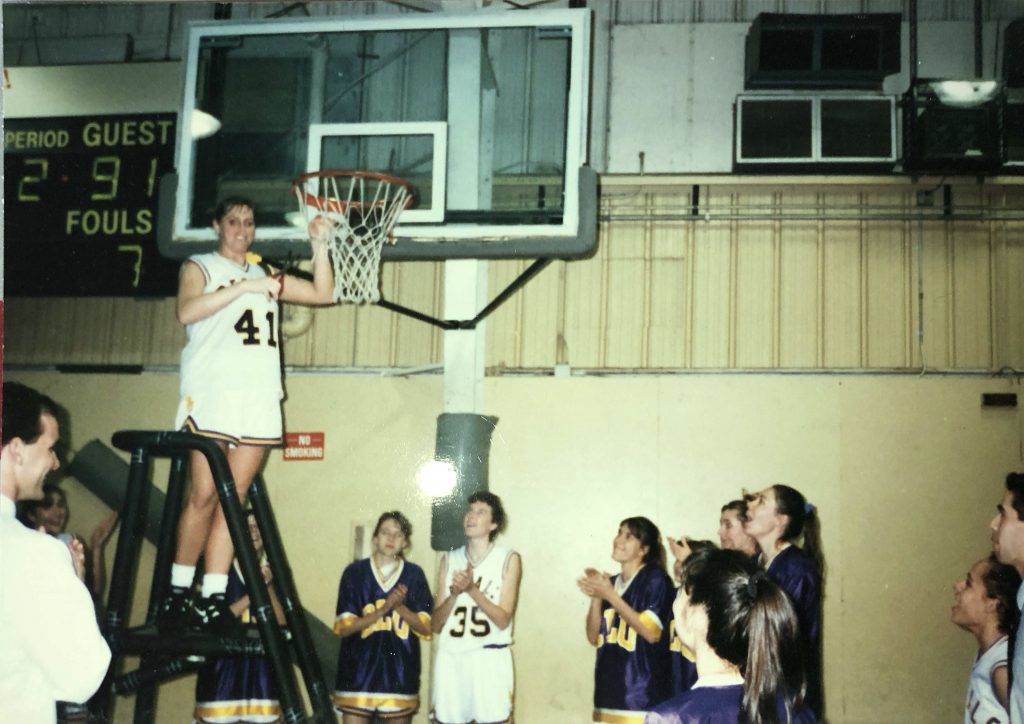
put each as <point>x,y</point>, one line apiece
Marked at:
<point>595,584</point>
<point>102,532</point>
<point>680,547</point>
<point>77,557</point>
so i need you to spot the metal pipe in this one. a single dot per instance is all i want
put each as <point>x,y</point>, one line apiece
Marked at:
<point>709,217</point>
<point>912,22</point>
<point>977,39</point>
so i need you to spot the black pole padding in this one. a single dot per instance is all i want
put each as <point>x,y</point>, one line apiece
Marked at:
<point>150,676</point>
<point>287,594</point>
<point>464,441</point>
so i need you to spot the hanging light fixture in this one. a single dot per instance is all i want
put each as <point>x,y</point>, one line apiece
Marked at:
<point>964,93</point>
<point>203,124</point>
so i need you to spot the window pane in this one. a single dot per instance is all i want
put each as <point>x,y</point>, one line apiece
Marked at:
<point>856,129</point>
<point>775,129</point>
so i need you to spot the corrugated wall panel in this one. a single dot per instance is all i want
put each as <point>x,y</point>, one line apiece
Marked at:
<point>420,287</point>
<point>972,297</point>
<point>665,290</point>
<point>540,308</point>
<point>1008,263</point>
<point>585,315</point>
<point>841,291</point>
<point>798,296</point>
<point>755,308</point>
<point>669,285</point>
<point>507,325</point>
<point>937,297</point>
<point>886,257</point>
<point>711,296</point>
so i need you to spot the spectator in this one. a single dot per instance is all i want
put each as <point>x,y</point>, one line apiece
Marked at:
<point>50,645</point>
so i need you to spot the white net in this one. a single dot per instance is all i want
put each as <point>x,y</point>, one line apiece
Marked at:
<point>360,209</point>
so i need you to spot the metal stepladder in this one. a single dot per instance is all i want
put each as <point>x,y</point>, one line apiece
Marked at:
<point>163,657</point>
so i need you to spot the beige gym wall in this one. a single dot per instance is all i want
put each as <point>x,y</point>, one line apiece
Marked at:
<point>905,471</point>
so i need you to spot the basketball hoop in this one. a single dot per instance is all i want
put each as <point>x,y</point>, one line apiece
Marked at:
<point>361,208</point>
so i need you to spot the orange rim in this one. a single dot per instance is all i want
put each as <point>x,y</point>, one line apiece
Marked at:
<point>325,203</point>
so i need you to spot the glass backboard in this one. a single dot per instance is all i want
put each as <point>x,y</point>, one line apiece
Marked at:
<point>485,114</point>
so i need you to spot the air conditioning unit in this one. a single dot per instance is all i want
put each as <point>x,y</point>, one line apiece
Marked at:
<point>822,51</point>
<point>837,131</point>
<point>952,135</point>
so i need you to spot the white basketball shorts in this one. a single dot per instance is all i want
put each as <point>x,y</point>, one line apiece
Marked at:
<point>473,686</point>
<point>237,418</point>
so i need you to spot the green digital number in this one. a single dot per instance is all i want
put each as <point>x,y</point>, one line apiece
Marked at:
<point>24,186</point>
<point>106,170</point>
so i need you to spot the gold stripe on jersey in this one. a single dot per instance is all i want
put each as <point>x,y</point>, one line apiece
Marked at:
<point>619,716</point>
<point>425,618</point>
<point>343,622</point>
<point>359,702</point>
<point>253,707</point>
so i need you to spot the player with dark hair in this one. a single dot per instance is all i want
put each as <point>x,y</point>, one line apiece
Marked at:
<point>474,607</point>
<point>230,392</point>
<point>744,632</point>
<point>383,611</point>
<point>1008,546</point>
<point>628,622</point>
<point>683,664</point>
<point>731,533</point>
<point>985,606</point>
<point>777,517</point>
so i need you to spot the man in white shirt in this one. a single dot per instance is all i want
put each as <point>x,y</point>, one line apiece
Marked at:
<point>1008,545</point>
<point>50,646</point>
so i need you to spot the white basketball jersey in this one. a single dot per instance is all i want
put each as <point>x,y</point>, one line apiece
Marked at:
<point>982,705</point>
<point>468,627</point>
<point>236,348</point>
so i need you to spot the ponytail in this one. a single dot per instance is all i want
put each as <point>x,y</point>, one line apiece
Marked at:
<point>803,520</point>
<point>773,659</point>
<point>753,625</point>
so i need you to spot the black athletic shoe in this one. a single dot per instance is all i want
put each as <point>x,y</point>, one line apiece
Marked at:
<point>175,611</point>
<point>213,615</point>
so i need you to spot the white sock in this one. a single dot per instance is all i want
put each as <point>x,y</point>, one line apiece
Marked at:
<point>182,576</point>
<point>214,583</point>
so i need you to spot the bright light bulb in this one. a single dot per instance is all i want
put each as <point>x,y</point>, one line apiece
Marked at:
<point>203,124</point>
<point>436,478</point>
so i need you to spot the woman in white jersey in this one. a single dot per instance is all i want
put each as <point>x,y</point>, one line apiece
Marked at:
<point>230,392</point>
<point>985,605</point>
<point>477,590</point>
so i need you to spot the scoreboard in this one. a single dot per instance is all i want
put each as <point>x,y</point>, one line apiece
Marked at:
<point>80,205</point>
